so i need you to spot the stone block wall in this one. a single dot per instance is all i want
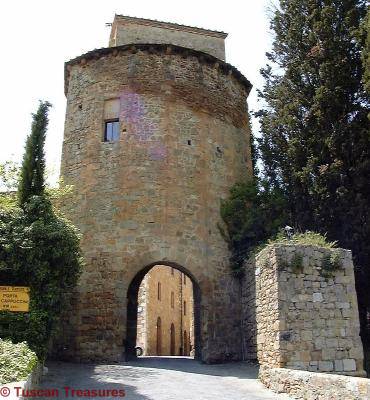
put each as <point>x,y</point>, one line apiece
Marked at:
<point>313,386</point>
<point>305,317</point>
<point>129,30</point>
<point>248,307</point>
<point>152,197</point>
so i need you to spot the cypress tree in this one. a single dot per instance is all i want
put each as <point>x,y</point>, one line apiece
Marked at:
<point>32,178</point>
<point>315,141</point>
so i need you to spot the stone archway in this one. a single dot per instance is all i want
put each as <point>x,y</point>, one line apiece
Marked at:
<point>132,305</point>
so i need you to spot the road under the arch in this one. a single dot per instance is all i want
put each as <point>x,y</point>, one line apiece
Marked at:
<point>163,378</point>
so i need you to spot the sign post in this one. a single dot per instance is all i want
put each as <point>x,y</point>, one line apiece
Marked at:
<point>14,298</point>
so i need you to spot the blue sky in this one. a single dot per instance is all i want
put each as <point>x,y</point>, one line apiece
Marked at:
<point>38,36</point>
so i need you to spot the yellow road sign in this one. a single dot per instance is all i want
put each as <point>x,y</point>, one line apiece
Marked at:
<point>14,298</point>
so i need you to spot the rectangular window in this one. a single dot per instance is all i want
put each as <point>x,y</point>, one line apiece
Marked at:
<point>111,133</point>
<point>159,294</point>
<point>172,300</point>
<point>184,307</point>
<point>111,120</point>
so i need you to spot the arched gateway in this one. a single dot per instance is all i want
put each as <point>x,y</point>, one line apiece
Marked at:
<point>132,305</point>
<point>156,133</point>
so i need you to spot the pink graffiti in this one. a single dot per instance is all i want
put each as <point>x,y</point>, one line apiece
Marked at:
<point>133,112</point>
<point>157,151</point>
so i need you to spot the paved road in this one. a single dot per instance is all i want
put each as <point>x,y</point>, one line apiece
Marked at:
<point>160,378</point>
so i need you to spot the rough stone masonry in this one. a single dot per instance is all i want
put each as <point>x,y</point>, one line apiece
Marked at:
<point>150,195</point>
<point>153,195</point>
<point>300,310</point>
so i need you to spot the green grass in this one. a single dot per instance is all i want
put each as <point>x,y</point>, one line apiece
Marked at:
<point>16,361</point>
<point>308,238</point>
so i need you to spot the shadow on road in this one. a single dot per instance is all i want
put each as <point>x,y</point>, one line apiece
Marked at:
<point>241,370</point>
<point>159,378</point>
<point>91,377</point>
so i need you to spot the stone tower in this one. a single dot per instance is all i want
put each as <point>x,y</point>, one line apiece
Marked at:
<point>156,133</point>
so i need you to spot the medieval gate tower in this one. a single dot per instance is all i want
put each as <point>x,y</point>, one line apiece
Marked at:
<point>156,133</point>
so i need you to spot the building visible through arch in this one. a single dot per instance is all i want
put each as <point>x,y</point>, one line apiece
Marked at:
<point>149,320</point>
<point>175,292</point>
<point>156,134</point>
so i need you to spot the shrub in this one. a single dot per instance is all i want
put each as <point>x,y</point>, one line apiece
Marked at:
<point>296,264</point>
<point>16,361</point>
<point>41,250</point>
<point>330,264</point>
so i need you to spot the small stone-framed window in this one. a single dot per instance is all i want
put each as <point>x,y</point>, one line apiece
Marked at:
<point>159,294</point>
<point>184,307</point>
<point>111,120</point>
<point>111,131</point>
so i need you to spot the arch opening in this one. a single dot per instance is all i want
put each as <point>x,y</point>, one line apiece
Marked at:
<point>158,324</point>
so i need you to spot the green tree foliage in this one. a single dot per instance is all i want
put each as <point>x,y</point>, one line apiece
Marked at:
<point>252,214</point>
<point>41,250</point>
<point>315,141</point>
<point>9,181</point>
<point>32,177</point>
<point>38,248</point>
<point>9,176</point>
<point>366,52</point>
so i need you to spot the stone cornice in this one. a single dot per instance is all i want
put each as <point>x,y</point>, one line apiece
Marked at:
<point>222,66</point>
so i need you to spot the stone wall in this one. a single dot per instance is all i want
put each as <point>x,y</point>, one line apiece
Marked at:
<point>315,386</point>
<point>153,196</point>
<point>128,30</point>
<point>248,309</point>
<point>305,317</point>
